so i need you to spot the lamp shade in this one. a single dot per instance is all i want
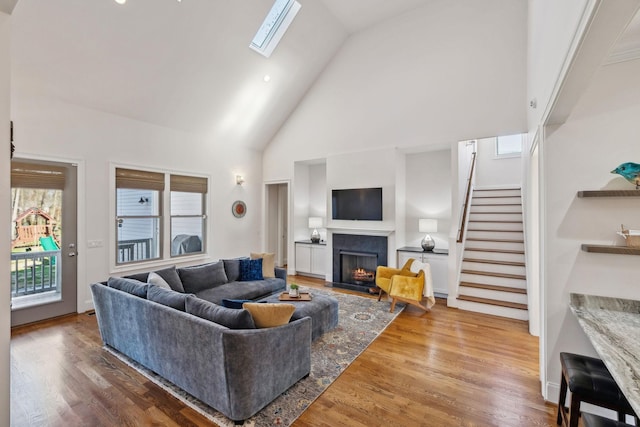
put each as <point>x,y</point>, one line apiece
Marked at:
<point>315,222</point>
<point>427,225</point>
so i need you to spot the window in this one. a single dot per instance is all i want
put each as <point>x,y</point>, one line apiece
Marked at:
<point>188,196</point>
<point>509,146</point>
<point>138,215</point>
<point>274,26</point>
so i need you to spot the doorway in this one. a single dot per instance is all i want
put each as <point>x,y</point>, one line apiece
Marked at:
<point>43,262</point>
<point>277,221</point>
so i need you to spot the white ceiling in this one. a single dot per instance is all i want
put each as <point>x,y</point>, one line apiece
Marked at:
<point>183,65</point>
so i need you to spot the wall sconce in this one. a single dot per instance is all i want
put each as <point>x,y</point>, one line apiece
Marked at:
<point>315,222</point>
<point>428,226</point>
<point>239,179</point>
<point>143,200</point>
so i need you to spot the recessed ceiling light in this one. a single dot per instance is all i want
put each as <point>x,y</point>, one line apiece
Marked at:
<point>266,78</point>
<point>121,1</point>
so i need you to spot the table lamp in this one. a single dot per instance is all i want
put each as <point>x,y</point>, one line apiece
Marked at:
<point>428,226</point>
<point>315,222</point>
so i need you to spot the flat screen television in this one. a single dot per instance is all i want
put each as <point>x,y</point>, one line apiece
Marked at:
<point>362,204</point>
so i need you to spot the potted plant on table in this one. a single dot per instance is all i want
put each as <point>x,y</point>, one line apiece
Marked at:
<point>294,290</point>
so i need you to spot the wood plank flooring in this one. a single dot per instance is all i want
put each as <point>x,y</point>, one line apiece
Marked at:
<point>443,368</point>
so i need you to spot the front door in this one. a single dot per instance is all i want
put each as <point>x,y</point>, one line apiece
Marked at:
<point>43,245</point>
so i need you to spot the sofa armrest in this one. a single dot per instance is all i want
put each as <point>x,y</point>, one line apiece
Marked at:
<point>281,273</point>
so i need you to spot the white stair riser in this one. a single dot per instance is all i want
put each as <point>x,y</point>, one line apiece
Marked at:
<point>495,193</point>
<point>511,313</point>
<point>502,208</point>
<point>512,226</point>
<point>496,217</point>
<point>470,244</point>
<point>493,268</point>
<point>511,235</point>
<point>493,256</point>
<point>493,280</point>
<point>491,294</point>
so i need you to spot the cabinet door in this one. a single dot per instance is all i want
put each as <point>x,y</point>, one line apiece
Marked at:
<point>303,258</point>
<point>403,257</point>
<point>318,258</point>
<point>439,272</point>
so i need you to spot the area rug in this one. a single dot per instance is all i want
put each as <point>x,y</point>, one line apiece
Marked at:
<point>361,320</point>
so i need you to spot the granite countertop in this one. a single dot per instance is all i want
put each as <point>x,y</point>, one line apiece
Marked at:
<point>418,249</point>
<point>613,326</point>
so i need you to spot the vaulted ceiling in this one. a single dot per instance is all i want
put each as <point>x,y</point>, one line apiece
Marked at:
<point>183,65</point>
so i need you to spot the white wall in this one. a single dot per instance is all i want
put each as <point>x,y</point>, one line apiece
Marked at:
<point>45,127</point>
<point>318,196</point>
<point>429,183</point>
<point>601,133</point>
<point>406,84</point>
<point>492,171</point>
<point>5,201</point>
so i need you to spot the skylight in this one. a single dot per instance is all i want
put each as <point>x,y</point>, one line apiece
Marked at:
<point>274,26</point>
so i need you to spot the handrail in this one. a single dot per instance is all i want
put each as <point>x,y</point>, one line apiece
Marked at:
<point>463,220</point>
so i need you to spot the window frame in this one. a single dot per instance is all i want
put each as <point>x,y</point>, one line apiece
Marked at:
<point>511,155</point>
<point>181,183</point>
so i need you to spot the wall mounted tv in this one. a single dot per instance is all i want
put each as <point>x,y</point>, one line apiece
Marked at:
<point>362,204</point>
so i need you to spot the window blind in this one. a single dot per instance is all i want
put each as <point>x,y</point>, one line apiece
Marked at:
<point>189,184</point>
<point>32,175</point>
<point>130,178</point>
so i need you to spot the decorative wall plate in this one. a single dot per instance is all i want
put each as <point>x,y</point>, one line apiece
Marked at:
<point>239,208</point>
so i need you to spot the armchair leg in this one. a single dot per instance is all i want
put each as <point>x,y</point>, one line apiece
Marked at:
<point>393,305</point>
<point>380,294</point>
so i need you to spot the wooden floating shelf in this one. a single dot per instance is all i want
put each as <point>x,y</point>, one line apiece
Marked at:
<point>609,193</point>
<point>607,249</point>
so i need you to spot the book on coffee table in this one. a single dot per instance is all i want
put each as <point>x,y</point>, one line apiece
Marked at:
<point>304,296</point>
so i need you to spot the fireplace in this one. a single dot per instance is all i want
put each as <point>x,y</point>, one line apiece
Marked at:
<point>355,258</point>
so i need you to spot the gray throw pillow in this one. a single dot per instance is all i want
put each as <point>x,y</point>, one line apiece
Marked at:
<point>200,277</point>
<point>156,279</point>
<point>229,317</point>
<point>167,297</point>
<point>131,286</point>
<point>232,268</point>
<point>170,275</point>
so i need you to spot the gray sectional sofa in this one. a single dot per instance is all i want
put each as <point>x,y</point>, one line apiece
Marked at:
<point>214,353</point>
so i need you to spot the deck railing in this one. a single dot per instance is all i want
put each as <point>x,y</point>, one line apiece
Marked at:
<point>134,250</point>
<point>35,272</point>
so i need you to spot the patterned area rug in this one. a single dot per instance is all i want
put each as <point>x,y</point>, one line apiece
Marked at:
<point>361,320</point>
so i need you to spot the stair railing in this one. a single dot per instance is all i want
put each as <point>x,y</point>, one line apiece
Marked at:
<point>463,218</point>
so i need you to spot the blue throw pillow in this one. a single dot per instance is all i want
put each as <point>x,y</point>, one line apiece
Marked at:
<point>250,269</point>
<point>234,303</point>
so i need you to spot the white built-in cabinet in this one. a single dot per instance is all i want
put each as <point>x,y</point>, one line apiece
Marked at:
<point>311,259</point>
<point>438,262</point>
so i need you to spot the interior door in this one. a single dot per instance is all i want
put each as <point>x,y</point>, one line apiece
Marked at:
<point>44,230</point>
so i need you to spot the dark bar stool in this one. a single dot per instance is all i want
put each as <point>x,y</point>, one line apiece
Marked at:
<point>589,381</point>
<point>590,420</point>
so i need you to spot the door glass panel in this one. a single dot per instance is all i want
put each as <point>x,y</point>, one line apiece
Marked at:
<point>36,233</point>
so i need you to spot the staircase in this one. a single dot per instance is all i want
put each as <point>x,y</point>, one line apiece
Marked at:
<point>493,277</point>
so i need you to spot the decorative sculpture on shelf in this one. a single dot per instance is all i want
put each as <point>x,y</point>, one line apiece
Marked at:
<point>629,171</point>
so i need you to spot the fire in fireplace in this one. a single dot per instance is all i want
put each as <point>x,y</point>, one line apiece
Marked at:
<point>355,259</point>
<point>362,276</point>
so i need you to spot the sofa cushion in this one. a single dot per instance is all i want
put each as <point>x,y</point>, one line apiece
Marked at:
<point>200,277</point>
<point>232,268</point>
<point>242,290</point>
<point>269,315</point>
<point>167,297</point>
<point>157,280</point>
<point>170,275</point>
<point>132,286</point>
<point>268,263</point>
<point>234,303</point>
<point>251,269</point>
<point>232,319</point>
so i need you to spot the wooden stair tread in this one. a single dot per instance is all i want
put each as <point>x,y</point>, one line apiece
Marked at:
<point>476,239</point>
<point>499,204</point>
<point>490,261</point>
<point>493,302</point>
<point>494,287</point>
<point>495,197</point>
<point>494,213</point>
<point>497,189</point>
<point>492,274</point>
<point>502,251</point>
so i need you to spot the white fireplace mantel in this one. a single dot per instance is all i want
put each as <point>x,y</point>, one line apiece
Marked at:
<point>365,228</point>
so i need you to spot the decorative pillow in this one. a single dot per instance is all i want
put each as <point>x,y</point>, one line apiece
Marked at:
<point>131,286</point>
<point>170,275</point>
<point>251,269</point>
<point>201,277</point>
<point>157,280</point>
<point>268,315</point>
<point>232,319</point>
<point>232,268</point>
<point>167,297</point>
<point>268,263</point>
<point>234,303</point>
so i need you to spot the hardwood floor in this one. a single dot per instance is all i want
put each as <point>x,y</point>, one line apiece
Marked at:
<point>443,368</point>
